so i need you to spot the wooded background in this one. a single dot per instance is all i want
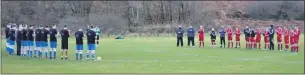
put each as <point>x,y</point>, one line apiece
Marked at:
<point>152,17</point>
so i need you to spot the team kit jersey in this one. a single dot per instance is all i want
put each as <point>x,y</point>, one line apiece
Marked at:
<point>258,35</point>
<point>292,37</point>
<point>286,36</point>
<point>201,34</point>
<point>44,37</point>
<point>24,40</point>
<point>79,35</point>
<point>279,34</point>
<point>237,35</point>
<point>213,35</point>
<point>38,37</point>
<point>229,30</point>
<point>64,37</point>
<point>266,36</point>
<point>91,40</point>
<point>252,36</point>
<point>53,38</point>
<point>30,37</point>
<point>247,34</point>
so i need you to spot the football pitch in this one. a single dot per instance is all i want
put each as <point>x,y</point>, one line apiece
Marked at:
<point>160,55</point>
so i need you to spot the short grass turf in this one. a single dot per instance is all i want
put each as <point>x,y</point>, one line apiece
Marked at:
<point>160,55</point>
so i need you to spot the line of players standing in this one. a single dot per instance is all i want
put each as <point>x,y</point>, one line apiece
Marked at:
<point>26,39</point>
<point>252,37</point>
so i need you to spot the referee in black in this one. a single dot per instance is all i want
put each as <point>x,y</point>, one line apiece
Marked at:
<point>18,40</point>
<point>271,34</point>
<point>65,34</point>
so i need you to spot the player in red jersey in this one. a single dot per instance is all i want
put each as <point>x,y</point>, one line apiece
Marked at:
<point>237,37</point>
<point>286,38</point>
<point>258,39</point>
<point>297,37</point>
<point>266,39</point>
<point>201,36</point>
<point>279,32</point>
<point>292,40</point>
<point>230,38</point>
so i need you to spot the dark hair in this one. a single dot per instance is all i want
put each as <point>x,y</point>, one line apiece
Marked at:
<point>31,26</point>
<point>91,26</point>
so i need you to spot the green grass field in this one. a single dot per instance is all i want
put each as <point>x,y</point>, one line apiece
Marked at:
<point>160,55</point>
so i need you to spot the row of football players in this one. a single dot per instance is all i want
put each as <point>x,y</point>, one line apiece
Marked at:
<point>28,37</point>
<point>253,37</point>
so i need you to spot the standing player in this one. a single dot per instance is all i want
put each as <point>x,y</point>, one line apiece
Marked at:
<point>230,37</point>
<point>213,38</point>
<point>279,31</point>
<point>38,42</point>
<point>297,37</point>
<point>53,42</point>
<point>222,33</point>
<point>179,33</point>
<point>237,37</point>
<point>7,36</point>
<point>258,38</point>
<point>247,36</point>
<point>292,40</point>
<point>12,39</point>
<point>271,35</point>
<point>286,38</point>
<point>190,36</point>
<point>65,34</point>
<point>91,43</point>
<point>79,35</point>
<point>266,39</point>
<point>201,36</point>
<point>44,38</point>
<point>24,50</point>
<point>19,40</point>
<point>97,31</point>
<point>252,40</point>
<point>30,37</point>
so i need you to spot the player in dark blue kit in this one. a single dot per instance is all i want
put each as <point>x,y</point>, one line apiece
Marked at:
<point>79,35</point>
<point>53,42</point>
<point>12,36</point>
<point>24,40</point>
<point>44,39</point>
<point>7,36</point>
<point>38,42</point>
<point>65,34</point>
<point>30,38</point>
<point>91,43</point>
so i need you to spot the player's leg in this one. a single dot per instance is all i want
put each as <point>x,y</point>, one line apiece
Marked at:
<point>193,41</point>
<point>81,52</point>
<point>88,51</point>
<point>93,52</point>
<point>188,41</point>
<point>178,40</point>
<point>77,51</point>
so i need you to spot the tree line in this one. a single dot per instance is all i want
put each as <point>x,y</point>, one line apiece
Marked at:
<point>145,17</point>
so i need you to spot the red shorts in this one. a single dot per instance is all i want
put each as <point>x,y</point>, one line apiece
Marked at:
<point>201,38</point>
<point>213,40</point>
<point>247,39</point>
<point>237,39</point>
<point>252,39</point>
<point>230,37</point>
<point>292,41</point>
<point>258,40</point>
<point>279,39</point>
